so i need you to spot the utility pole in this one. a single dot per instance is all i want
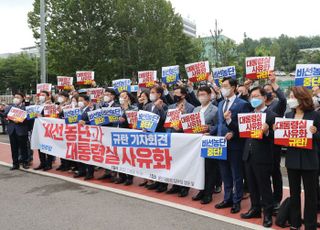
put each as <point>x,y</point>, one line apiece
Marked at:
<point>43,75</point>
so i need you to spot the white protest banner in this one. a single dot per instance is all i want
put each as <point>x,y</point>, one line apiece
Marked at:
<point>173,119</point>
<point>170,74</point>
<point>147,79</point>
<point>147,121</point>
<point>259,67</point>
<point>250,125</point>
<point>193,122</point>
<point>307,75</point>
<point>33,111</point>
<point>165,157</point>
<point>44,87</point>
<point>198,71</point>
<point>64,83</point>
<point>214,147</point>
<point>85,77</point>
<point>293,133</point>
<point>17,115</point>
<point>121,85</point>
<point>220,73</point>
<point>50,111</point>
<point>95,93</point>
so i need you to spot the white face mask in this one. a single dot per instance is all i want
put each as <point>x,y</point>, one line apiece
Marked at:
<point>106,98</point>
<point>81,104</point>
<point>121,100</point>
<point>153,97</point>
<point>213,97</point>
<point>16,101</point>
<point>203,100</point>
<point>315,102</point>
<point>42,99</point>
<point>225,92</point>
<point>292,103</point>
<point>60,99</point>
<point>74,104</point>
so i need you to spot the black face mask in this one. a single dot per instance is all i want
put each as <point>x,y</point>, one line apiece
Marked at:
<point>177,98</point>
<point>244,97</point>
<point>269,96</point>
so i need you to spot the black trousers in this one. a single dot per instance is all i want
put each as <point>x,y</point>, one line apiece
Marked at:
<point>309,179</point>
<point>18,145</point>
<point>45,159</point>
<point>276,175</point>
<point>85,169</point>
<point>212,176</point>
<point>125,176</point>
<point>259,184</point>
<point>66,163</point>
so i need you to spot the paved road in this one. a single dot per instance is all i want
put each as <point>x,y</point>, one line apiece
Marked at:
<point>30,201</point>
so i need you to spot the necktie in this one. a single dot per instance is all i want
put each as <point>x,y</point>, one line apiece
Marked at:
<point>226,106</point>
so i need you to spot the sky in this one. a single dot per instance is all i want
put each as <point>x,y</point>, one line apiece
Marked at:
<point>269,18</point>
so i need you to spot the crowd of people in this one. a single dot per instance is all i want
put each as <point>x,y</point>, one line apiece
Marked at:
<point>252,167</point>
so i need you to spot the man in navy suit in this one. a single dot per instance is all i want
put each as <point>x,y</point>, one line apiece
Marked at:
<point>227,126</point>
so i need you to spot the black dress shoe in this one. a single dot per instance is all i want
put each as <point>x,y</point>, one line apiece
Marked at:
<point>39,167</point>
<point>119,181</point>
<point>77,175</point>
<point>128,182</point>
<point>153,186</point>
<point>235,208</point>
<point>223,204</point>
<point>267,221</point>
<point>25,166</point>
<point>60,168</point>
<point>199,196</point>
<point>162,188</point>
<point>88,177</point>
<point>206,200</point>
<point>183,192</point>
<point>47,168</point>
<point>143,183</point>
<point>14,167</point>
<point>252,213</point>
<point>217,189</point>
<point>173,190</point>
<point>105,176</point>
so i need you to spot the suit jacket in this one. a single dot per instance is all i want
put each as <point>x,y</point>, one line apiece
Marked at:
<point>305,159</point>
<point>222,128</point>
<point>210,115</point>
<point>279,105</point>
<point>159,111</point>
<point>114,104</point>
<point>84,115</point>
<point>21,129</point>
<point>257,150</point>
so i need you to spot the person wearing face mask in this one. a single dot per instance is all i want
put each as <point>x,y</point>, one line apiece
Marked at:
<point>143,99</point>
<point>257,157</point>
<point>63,100</point>
<point>18,135</point>
<point>180,93</point>
<point>109,100</point>
<point>227,126</point>
<point>45,159</point>
<point>303,163</point>
<point>212,178</point>
<point>158,107</point>
<point>84,170</point>
<point>277,103</point>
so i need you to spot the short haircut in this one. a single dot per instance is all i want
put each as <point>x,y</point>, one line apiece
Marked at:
<point>232,81</point>
<point>261,90</point>
<point>183,89</point>
<point>158,89</point>
<point>85,97</point>
<point>45,92</point>
<point>112,91</point>
<point>64,94</point>
<point>20,93</point>
<point>206,89</point>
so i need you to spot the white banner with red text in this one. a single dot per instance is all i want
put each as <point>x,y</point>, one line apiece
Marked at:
<point>173,158</point>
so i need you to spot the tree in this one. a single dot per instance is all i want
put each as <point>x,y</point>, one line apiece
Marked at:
<point>115,38</point>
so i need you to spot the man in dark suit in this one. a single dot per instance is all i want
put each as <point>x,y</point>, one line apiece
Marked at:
<point>231,169</point>
<point>84,170</point>
<point>158,107</point>
<point>18,135</point>
<point>258,156</point>
<point>212,175</point>
<point>277,103</point>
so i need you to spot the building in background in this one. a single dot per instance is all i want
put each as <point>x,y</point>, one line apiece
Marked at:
<point>32,51</point>
<point>189,27</point>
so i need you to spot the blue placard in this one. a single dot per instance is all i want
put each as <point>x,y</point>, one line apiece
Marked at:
<point>307,75</point>
<point>33,110</point>
<point>147,121</point>
<point>170,74</point>
<point>97,117</point>
<point>72,116</point>
<point>122,85</point>
<point>214,147</point>
<point>220,73</point>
